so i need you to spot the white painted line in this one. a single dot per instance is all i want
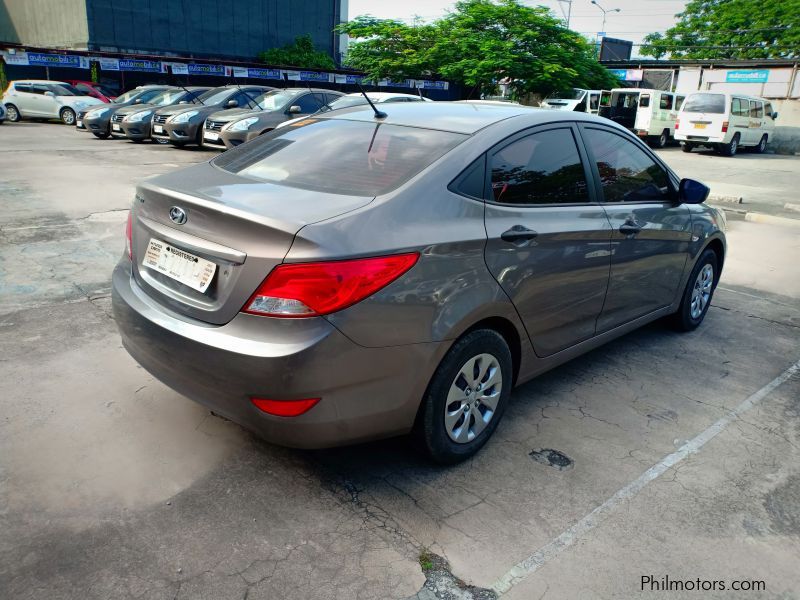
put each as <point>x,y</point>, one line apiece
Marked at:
<point>549,551</point>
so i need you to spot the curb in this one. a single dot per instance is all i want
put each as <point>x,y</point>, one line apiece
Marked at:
<point>725,199</point>
<point>756,217</point>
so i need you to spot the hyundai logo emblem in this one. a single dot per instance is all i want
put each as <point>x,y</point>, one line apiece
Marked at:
<point>178,215</point>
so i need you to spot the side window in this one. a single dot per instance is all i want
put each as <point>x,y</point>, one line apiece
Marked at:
<point>542,168</point>
<point>739,107</point>
<point>644,100</point>
<point>244,98</point>
<point>307,104</point>
<point>40,89</point>
<point>768,109</point>
<point>594,101</point>
<point>627,173</point>
<point>84,88</point>
<point>23,88</point>
<point>330,98</point>
<point>665,102</point>
<point>756,109</point>
<point>679,102</point>
<point>472,182</point>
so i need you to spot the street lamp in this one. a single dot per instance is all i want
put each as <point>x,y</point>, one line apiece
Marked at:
<point>603,28</point>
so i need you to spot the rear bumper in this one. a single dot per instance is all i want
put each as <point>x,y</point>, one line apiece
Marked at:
<point>699,138</point>
<point>366,393</point>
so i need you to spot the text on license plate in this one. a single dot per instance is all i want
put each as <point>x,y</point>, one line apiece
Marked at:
<point>158,129</point>
<point>211,135</point>
<point>116,127</point>
<point>180,265</point>
<point>699,125</point>
<point>80,123</point>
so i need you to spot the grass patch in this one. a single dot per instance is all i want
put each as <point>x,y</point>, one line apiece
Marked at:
<point>425,560</point>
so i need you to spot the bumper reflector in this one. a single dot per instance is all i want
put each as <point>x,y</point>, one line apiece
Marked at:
<point>284,408</point>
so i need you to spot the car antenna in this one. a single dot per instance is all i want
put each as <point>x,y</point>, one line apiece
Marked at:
<point>195,98</point>
<point>285,80</point>
<point>378,114</point>
<point>239,87</point>
<point>419,91</point>
<point>317,100</point>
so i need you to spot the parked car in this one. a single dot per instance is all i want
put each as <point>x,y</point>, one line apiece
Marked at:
<point>351,278</point>
<point>180,125</point>
<point>98,120</point>
<point>231,128</point>
<point>2,114</point>
<point>134,120</point>
<point>725,122</point>
<point>95,90</point>
<point>577,99</point>
<point>650,114</point>
<point>42,99</point>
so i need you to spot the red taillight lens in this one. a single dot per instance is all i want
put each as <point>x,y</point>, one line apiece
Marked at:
<point>724,127</point>
<point>311,289</point>
<point>677,123</point>
<point>284,408</point>
<point>129,235</point>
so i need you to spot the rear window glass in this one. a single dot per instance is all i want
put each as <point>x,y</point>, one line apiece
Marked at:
<point>338,156</point>
<point>705,103</point>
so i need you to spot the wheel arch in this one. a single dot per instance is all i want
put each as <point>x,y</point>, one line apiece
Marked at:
<point>508,331</point>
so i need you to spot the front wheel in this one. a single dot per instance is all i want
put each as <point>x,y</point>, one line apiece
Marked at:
<point>67,116</point>
<point>698,293</point>
<point>687,147</point>
<point>13,114</point>
<point>466,398</point>
<point>762,145</point>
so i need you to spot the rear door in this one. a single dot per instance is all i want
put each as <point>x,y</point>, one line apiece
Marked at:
<point>756,123</point>
<point>548,237</point>
<point>21,96</point>
<point>650,231</point>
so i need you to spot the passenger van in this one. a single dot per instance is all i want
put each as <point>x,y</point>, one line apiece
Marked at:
<point>725,122</point>
<point>650,114</point>
<point>579,100</point>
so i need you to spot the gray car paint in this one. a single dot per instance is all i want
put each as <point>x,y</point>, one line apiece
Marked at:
<point>102,124</point>
<point>372,362</point>
<point>141,130</point>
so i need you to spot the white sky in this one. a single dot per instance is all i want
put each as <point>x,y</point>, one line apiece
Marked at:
<point>635,19</point>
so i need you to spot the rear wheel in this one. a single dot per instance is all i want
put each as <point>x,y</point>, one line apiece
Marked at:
<point>730,148</point>
<point>762,145</point>
<point>466,398</point>
<point>67,116</point>
<point>13,114</point>
<point>698,293</point>
<point>687,147</point>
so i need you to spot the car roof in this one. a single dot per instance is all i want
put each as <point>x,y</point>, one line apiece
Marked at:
<point>46,81</point>
<point>458,117</point>
<point>384,95</point>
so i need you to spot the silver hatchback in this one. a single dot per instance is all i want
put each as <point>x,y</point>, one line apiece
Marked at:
<point>362,275</point>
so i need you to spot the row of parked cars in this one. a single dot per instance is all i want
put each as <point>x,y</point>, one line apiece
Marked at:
<point>722,121</point>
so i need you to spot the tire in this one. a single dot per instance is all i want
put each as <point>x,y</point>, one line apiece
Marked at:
<point>762,145</point>
<point>661,140</point>
<point>455,389</point>
<point>687,147</point>
<point>67,116</point>
<point>12,113</point>
<point>101,135</point>
<point>731,147</point>
<point>698,293</point>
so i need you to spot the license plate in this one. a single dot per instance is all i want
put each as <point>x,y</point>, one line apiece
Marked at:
<point>158,129</point>
<point>699,125</point>
<point>116,127</point>
<point>211,136</point>
<point>79,123</point>
<point>180,265</point>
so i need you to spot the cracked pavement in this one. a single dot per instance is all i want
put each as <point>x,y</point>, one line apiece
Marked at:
<point>114,486</point>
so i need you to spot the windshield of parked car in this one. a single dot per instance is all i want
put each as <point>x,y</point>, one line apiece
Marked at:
<point>126,97</point>
<point>104,90</point>
<point>346,102</point>
<point>65,89</point>
<point>338,156</point>
<point>216,96</point>
<point>573,94</point>
<point>275,99</point>
<point>705,103</point>
<point>168,97</point>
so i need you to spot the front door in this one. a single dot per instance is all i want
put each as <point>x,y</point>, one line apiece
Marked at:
<point>650,231</point>
<point>548,238</point>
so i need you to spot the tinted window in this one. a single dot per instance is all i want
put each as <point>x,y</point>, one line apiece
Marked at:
<point>65,89</point>
<point>594,100</point>
<point>665,102</point>
<point>309,103</point>
<point>644,100</point>
<point>39,89</point>
<point>739,107</point>
<point>605,99</point>
<point>627,173</point>
<point>768,109</point>
<point>246,99</point>
<point>705,103</point>
<point>148,95</point>
<point>84,88</point>
<point>756,109</point>
<point>472,182</point>
<point>23,88</point>
<point>679,101</point>
<point>542,168</point>
<point>340,157</point>
<point>331,97</point>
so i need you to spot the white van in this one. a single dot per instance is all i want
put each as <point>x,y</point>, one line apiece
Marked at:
<point>579,100</point>
<point>725,122</point>
<point>45,99</point>
<point>650,114</point>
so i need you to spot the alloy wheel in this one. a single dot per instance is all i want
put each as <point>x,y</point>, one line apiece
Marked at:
<point>472,399</point>
<point>701,293</point>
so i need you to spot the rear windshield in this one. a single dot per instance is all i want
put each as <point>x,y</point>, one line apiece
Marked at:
<point>340,157</point>
<point>705,103</point>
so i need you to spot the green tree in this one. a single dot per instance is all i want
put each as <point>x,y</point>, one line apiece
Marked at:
<point>299,54</point>
<point>479,43</point>
<point>727,29</point>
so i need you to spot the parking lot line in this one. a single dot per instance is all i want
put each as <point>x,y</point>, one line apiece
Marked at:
<point>555,547</point>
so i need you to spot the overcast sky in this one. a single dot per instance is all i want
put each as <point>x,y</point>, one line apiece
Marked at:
<point>635,19</point>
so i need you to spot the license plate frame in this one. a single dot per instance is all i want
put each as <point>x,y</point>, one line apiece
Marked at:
<point>211,136</point>
<point>158,129</point>
<point>116,127</point>
<point>179,265</point>
<point>79,123</point>
<point>700,125</point>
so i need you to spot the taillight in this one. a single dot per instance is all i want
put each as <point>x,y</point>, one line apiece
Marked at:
<point>311,289</point>
<point>129,235</point>
<point>724,127</point>
<point>284,408</point>
<point>677,122</point>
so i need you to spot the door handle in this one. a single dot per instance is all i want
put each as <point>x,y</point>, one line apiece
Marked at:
<point>630,227</point>
<point>518,233</point>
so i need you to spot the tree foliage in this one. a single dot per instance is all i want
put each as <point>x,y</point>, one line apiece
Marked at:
<point>727,29</point>
<point>299,54</point>
<point>479,43</point>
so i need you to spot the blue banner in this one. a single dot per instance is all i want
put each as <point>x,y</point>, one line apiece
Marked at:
<point>620,73</point>
<point>264,73</point>
<point>54,60</point>
<point>314,76</point>
<point>757,76</point>
<point>200,69</point>
<point>142,66</point>
<point>434,85</point>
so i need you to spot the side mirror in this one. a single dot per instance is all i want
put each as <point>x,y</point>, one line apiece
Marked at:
<point>137,101</point>
<point>231,104</point>
<point>294,110</point>
<point>50,94</point>
<point>774,116</point>
<point>692,192</point>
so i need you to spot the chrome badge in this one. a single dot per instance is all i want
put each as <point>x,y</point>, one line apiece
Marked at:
<point>178,215</point>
